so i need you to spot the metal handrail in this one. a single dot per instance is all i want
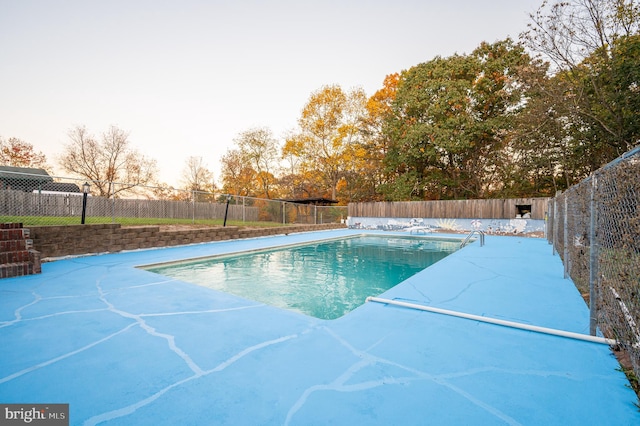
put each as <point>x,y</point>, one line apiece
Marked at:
<point>475,231</point>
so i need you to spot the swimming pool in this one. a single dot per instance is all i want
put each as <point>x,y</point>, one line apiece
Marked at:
<point>324,279</point>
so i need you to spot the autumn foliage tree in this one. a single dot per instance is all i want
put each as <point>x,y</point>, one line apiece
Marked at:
<point>260,151</point>
<point>292,179</point>
<point>17,153</point>
<point>369,173</point>
<point>109,163</point>
<point>329,126</point>
<point>237,176</point>
<point>500,121</point>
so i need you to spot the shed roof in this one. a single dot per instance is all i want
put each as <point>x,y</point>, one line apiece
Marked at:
<point>318,201</point>
<point>27,173</point>
<point>61,187</point>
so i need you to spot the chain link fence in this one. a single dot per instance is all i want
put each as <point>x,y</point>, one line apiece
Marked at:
<point>40,199</point>
<point>595,228</point>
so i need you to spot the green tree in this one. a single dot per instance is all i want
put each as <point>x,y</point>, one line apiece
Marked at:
<point>539,160</point>
<point>450,122</point>
<point>609,101</point>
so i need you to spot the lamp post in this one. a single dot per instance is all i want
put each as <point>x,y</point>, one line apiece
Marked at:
<point>85,191</point>
<point>226,210</point>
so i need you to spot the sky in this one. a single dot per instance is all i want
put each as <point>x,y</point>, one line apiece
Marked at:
<point>186,77</point>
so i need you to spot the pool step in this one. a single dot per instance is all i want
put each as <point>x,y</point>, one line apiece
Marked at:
<point>17,256</point>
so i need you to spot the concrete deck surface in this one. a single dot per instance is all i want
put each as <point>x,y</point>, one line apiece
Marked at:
<point>124,346</point>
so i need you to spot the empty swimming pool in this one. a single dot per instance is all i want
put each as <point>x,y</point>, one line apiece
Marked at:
<point>324,279</point>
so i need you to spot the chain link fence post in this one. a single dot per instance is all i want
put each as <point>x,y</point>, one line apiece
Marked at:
<point>112,201</point>
<point>41,200</point>
<point>193,207</point>
<point>555,226</point>
<point>284,212</point>
<point>600,248</point>
<point>593,257</point>
<point>565,237</point>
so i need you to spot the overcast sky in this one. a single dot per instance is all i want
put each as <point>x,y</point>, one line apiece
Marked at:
<point>185,77</point>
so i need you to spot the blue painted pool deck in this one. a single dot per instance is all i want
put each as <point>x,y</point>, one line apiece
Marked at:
<point>124,346</point>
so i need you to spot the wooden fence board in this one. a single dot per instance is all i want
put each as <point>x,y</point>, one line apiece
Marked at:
<point>451,209</point>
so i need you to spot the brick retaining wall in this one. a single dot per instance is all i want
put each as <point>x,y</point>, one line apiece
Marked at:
<point>58,241</point>
<point>17,256</point>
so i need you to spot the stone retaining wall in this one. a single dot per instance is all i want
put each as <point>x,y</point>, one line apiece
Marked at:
<point>58,241</point>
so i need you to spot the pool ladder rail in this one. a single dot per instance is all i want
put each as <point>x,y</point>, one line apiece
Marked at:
<point>475,231</point>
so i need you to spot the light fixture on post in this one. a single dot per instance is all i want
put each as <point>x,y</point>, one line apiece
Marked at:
<point>85,192</point>
<point>226,210</point>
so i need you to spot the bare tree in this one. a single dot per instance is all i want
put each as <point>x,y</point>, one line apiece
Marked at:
<point>110,164</point>
<point>567,32</point>
<point>197,177</point>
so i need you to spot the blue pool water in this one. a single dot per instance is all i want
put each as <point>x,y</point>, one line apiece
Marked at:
<point>325,279</point>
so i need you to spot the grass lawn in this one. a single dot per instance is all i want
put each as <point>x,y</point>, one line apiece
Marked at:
<point>127,221</point>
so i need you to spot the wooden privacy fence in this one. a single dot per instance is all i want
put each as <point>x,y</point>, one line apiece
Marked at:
<point>454,209</point>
